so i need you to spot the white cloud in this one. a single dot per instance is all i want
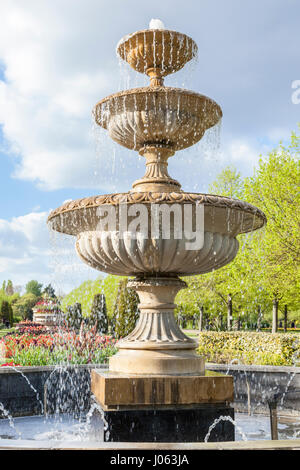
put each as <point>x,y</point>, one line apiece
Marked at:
<point>241,154</point>
<point>24,247</point>
<point>29,251</point>
<point>49,91</point>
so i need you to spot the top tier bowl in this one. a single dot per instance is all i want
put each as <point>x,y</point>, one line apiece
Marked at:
<point>157,115</point>
<point>155,50</point>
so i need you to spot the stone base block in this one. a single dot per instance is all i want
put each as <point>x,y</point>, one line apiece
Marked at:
<point>163,408</point>
<point>115,391</point>
<point>168,425</point>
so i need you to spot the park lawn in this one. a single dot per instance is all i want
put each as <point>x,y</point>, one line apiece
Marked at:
<point>4,331</point>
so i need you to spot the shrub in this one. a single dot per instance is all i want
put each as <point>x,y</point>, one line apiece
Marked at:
<point>6,312</point>
<point>73,317</point>
<point>23,306</point>
<point>126,311</point>
<point>250,347</point>
<point>98,316</point>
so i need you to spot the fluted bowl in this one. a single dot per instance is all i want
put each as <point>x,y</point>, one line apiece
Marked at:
<point>135,253</point>
<point>157,116</point>
<point>167,50</point>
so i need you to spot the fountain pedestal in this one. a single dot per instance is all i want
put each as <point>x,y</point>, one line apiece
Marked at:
<point>156,384</point>
<point>157,345</point>
<point>163,408</point>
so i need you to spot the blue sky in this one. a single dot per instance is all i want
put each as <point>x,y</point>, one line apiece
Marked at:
<point>57,59</point>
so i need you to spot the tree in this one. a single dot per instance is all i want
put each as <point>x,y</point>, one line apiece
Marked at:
<point>228,183</point>
<point>196,300</point>
<point>34,287</point>
<point>84,294</point>
<point>49,291</point>
<point>98,314</point>
<point>73,316</point>
<point>274,188</point>
<point>23,306</point>
<point>126,311</point>
<point>227,283</point>
<point>6,312</point>
<point>9,290</point>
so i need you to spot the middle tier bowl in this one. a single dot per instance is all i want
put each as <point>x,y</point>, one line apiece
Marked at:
<point>135,254</point>
<point>157,116</point>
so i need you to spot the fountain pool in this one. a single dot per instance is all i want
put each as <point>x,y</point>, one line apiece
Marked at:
<point>65,428</point>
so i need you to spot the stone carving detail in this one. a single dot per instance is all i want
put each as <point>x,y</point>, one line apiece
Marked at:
<point>135,255</point>
<point>257,216</point>
<point>156,176</point>
<point>157,115</point>
<point>157,330</point>
<point>168,50</point>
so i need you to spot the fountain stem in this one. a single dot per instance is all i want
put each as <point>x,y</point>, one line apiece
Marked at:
<point>156,78</point>
<point>157,345</point>
<point>156,178</point>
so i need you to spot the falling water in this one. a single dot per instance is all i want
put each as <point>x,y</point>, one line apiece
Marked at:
<point>30,385</point>
<point>224,418</point>
<point>6,414</point>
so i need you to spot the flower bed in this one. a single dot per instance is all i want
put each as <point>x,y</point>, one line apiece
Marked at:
<point>61,347</point>
<point>250,347</point>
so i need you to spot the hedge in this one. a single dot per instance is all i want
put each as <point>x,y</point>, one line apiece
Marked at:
<point>250,347</point>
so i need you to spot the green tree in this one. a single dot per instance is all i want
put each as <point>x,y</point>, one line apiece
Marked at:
<point>196,300</point>
<point>227,284</point>
<point>49,291</point>
<point>9,290</point>
<point>6,312</point>
<point>34,287</point>
<point>73,316</point>
<point>98,314</point>
<point>126,311</point>
<point>228,183</point>
<point>23,306</point>
<point>274,188</point>
<point>84,294</point>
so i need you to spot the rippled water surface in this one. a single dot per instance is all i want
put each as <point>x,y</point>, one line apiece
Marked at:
<point>67,428</point>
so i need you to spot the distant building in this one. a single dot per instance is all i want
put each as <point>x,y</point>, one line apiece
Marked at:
<point>46,311</point>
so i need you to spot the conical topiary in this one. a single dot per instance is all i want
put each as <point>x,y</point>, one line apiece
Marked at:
<point>6,312</point>
<point>98,314</point>
<point>126,311</point>
<point>73,316</point>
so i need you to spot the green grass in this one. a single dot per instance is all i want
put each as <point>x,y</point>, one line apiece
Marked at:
<point>4,331</point>
<point>212,373</point>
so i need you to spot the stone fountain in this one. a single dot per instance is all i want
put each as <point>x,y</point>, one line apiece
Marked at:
<point>156,388</point>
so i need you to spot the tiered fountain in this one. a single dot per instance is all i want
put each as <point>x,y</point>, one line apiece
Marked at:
<point>156,388</point>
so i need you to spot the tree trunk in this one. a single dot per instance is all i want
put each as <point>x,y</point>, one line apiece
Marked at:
<point>229,312</point>
<point>285,318</point>
<point>201,318</point>
<point>259,318</point>
<point>275,315</point>
<point>221,321</point>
